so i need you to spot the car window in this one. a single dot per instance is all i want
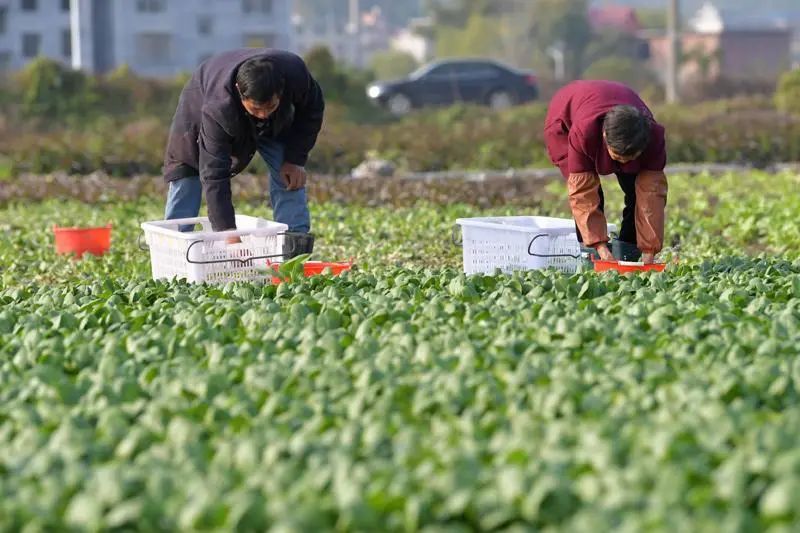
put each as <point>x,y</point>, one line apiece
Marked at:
<point>475,71</point>
<point>439,72</point>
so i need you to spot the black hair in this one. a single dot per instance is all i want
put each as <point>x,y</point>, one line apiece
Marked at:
<point>627,130</point>
<point>259,80</point>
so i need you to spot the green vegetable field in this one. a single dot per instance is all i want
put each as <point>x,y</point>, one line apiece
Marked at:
<point>404,396</point>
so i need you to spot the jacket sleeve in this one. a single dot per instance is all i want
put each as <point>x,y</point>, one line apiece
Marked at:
<point>651,199</point>
<point>215,147</point>
<point>584,200</point>
<point>309,108</point>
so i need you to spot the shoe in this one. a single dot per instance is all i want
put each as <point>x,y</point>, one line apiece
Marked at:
<point>296,243</point>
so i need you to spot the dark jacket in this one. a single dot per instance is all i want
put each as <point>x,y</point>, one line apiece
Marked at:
<point>212,136</point>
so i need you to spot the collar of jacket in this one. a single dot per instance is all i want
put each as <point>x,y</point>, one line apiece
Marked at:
<point>280,120</point>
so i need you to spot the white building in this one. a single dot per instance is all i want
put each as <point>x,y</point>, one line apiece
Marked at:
<point>29,28</point>
<point>153,37</point>
<point>321,31</point>
<point>354,43</point>
<point>711,19</point>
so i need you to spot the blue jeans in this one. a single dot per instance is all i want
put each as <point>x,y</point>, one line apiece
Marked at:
<point>288,207</point>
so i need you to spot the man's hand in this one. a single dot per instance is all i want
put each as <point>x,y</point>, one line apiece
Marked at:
<point>233,240</point>
<point>605,253</point>
<point>294,176</point>
<point>648,259</point>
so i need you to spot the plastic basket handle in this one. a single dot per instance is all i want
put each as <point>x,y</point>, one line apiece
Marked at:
<point>454,236</point>
<point>240,261</point>
<point>233,260</point>
<point>142,245</point>
<point>530,252</point>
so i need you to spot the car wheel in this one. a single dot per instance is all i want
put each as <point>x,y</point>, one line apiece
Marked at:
<point>399,104</point>
<point>501,100</point>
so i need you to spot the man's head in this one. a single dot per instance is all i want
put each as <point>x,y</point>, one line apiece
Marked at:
<point>260,87</point>
<point>626,130</point>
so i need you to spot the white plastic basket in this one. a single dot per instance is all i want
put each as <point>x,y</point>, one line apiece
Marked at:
<point>519,243</point>
<point>204,256</point>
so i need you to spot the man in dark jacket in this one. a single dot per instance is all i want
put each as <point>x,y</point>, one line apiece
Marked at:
<point>235,104</point>
<point>595,128</point>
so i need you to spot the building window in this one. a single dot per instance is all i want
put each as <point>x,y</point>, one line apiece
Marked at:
<point>204,25</point>
<point>66,43</point>
<point>154,48</point>
<point>259,41</point>
<point>257,6</point>
<point>5,61</point>
<point>151,6</point>
<point>29,5</point>
<point>64,5</point>
<point>3,19</point>
<point>31,43</point>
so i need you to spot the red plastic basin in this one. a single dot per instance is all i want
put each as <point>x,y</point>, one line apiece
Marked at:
<point>624,268</point>
<point>314,268</point>
<point>78,241</point>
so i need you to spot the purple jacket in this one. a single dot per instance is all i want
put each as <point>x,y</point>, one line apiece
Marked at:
<point>213,137</point>
<point>573,129</point>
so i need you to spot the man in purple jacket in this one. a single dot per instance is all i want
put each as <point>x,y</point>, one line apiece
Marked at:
<point>594,128</point>
<point>238,103</point>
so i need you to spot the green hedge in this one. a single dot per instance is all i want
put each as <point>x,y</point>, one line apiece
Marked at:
<point>787,97</point>
<point>456,138</point>
<point>55,119</point>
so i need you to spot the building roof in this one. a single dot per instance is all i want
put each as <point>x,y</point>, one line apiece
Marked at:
<point>712,19</point>
<point>616,17</point>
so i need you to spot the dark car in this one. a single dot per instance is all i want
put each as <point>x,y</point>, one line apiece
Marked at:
<point>448,82</point>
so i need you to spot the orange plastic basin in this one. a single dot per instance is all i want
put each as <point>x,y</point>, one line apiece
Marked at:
<point>313,268</point>
<point>624,268</point>
<point>79,241</point>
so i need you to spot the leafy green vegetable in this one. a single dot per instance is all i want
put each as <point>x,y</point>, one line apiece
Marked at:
<point>292,269</point>
<point>407,397</point>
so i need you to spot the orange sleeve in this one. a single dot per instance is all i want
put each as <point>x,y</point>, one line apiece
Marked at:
<point>651,199</point>
<point>584,200</point>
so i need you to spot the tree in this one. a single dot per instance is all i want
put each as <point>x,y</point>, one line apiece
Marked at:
<point>621,69</point>
<point>49,89</point>
<point>455,13</point>
<point>563,23</point>
<point>787,97</point>
<point>391,64</point>
<point>480,37</point>
<point>652,18</point>
<point>339,84</point>
<point>322,66</point>
<point>498,28</point>
<point>612,44</point>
